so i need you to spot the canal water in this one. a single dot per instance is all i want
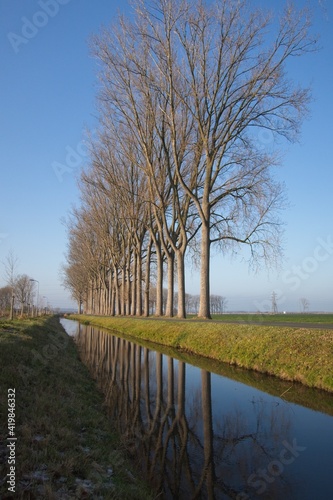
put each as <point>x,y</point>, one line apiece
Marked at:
<point>197,433</point>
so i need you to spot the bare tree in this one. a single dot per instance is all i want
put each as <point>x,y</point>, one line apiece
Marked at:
<point>195,303</point>
<point>132,94</point>
<point>114,190</point>
<point>79,275</point>
<point>217,304</point>
<point>10,265</point>
<point>23,290</point>
<point>186,89</point>
<point>74,280</point>
<point>5,299</point>
<point>305,304</point>
<point>212,79</point>
<point>223,304</point>
<point>233,84</point>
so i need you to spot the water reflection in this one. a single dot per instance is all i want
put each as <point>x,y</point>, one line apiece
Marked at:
<point>189,441</point>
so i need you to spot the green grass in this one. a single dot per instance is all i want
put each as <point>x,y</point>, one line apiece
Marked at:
<point>295,354</point>
<point>275,318</point>
<point>66,446</point>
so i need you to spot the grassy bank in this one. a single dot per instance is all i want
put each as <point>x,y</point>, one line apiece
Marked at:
<point>296,354</point>
<point>65,446</point>
<point>315,318</point>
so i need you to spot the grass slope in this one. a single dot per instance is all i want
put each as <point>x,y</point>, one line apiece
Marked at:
<point>295,354</point>
<point>65,445</point>
<point>315,318</point>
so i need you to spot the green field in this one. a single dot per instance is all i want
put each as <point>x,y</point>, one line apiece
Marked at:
<point>66,446</point>
<point>291,353</point>
<point>319,318</point>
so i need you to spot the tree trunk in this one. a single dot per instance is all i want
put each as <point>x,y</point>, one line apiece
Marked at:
<point>139,284</point>
<point>204,308</point>
<point>116,290</point>
<point>181,284</point>
<point>12,306</point>
<point>171,264</point>
<point>147,280</point>
<point>123,290</point>
<point>134,284</point>
<point>110,295</point>
<point>112,301</point>
<point>91,298</point>
<point>128,287</point>
<point>208,432</point>
<point>159,281</point>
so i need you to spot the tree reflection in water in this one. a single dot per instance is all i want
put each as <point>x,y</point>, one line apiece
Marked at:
<point>184,448</point>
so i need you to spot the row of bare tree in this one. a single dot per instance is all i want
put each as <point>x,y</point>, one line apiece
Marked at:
<point>177,165</point>
<point>19,295</point>
<point>218,303</point>
<point>20,292</point>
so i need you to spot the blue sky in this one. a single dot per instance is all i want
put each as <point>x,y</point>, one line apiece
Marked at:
<point>47,99</point>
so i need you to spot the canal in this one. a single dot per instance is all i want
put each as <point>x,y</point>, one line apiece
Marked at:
<point>197,430</point>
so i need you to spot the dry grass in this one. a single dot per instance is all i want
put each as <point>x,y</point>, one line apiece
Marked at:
<point>66,447</point>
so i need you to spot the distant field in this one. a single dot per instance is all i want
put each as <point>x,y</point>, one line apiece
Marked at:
<point>278,318</point>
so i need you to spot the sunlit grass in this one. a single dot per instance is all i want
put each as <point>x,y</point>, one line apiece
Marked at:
<point>314,318</point>
<point>66,447</point>
<point>296,354</point>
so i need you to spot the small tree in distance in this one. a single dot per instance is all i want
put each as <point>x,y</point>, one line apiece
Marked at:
<point>10,265</point>
<point>305,304</point>
<point>23,290</point>
<point>5,299</point>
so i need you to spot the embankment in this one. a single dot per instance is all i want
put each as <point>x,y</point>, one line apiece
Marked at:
<point>304,355</point>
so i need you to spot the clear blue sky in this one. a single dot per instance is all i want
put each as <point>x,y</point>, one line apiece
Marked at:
<point>47,93</point>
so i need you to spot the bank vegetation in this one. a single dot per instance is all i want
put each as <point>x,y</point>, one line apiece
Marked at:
<point>302,355</point>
